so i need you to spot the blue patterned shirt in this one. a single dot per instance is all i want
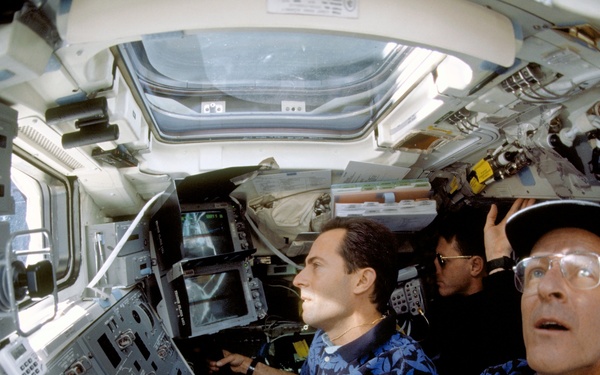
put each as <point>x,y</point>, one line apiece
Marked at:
<point>382,350</point>
<point>515,367</point>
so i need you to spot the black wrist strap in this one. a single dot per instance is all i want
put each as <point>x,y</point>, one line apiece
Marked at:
<point>252,367</point>
<point>504,263</point>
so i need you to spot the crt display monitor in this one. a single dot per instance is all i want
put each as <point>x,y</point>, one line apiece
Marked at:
<point>206,233</point>
<point>223,296</point>
<point>216,297</point>
<point>214,233</point>
<point>200,299</point>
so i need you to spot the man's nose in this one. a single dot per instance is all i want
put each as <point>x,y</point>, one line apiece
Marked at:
<point>299,279</point>
<point>552,283</point>
<point>438,267</point>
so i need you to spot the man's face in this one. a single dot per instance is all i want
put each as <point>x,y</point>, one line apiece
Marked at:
<point>325,287</point>
<point>561,324</point>
<point>454,277</point>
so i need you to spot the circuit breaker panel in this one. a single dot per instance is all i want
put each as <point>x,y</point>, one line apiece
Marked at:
<point>127,339</point>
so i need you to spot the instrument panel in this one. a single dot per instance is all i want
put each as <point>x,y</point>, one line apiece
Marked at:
<point>127,339</point>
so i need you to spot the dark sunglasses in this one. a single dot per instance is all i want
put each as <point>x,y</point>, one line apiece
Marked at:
<point>442,259</point>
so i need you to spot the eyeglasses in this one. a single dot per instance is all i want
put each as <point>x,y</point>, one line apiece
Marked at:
<point>581,270</point>
<point>442,259</point>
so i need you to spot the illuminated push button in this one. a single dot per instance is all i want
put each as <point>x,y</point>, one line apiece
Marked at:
<point>389,197</point>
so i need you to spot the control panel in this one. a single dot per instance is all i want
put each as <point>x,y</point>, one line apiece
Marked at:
<point>257,293</point>
<point>242,231</point>
<point>17,357</point>
<point>127,339</point>
<point>133,262</point>
<point>408,297</point>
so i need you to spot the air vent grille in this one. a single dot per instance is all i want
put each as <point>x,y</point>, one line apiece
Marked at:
<point>50,147</point>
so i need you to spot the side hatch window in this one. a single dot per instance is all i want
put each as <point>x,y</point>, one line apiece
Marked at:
<point>42,200</point>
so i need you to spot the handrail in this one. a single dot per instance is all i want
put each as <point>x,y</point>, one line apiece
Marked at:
<point>9,256</point>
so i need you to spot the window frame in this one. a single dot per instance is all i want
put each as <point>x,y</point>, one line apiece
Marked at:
<point>59,196</point>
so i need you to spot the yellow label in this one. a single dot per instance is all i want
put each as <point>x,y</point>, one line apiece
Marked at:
<point>454,185</point>
<point>476,187</point>
<point>483,170</point>
<point>301,348</point>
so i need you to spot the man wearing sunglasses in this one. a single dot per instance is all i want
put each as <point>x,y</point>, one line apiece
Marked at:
<point>476,320</point>
<point>559,273</point>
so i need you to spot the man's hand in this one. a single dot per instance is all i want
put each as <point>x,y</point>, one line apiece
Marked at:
<point>496,243</point>
<point>237,362</point>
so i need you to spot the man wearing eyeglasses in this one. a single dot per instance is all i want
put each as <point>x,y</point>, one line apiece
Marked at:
<point>476,321</point>
<point>559,277</point>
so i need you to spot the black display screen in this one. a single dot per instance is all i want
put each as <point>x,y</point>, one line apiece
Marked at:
<point>206,233</point>
<point>216,297</point>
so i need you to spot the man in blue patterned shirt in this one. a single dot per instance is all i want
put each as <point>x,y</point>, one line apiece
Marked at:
<point>382,350</point>
<point>349,275</point>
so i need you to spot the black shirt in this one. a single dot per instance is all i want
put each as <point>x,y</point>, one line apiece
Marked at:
<point>471,333</point>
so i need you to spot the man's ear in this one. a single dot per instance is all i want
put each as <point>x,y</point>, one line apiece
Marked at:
<point>477,266</point>
<point>365,279</point>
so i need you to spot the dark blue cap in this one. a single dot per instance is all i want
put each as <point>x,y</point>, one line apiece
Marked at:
<point>528,225</point>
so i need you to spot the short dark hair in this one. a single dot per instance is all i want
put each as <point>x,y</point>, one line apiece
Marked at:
<point>465,226</point>
<point>368,243</point>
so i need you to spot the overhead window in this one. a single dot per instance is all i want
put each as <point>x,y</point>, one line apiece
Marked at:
<point>255,84</point>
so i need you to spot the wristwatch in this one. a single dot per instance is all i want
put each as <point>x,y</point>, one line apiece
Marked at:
<point>252,367</point>
<point>504,263</point>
